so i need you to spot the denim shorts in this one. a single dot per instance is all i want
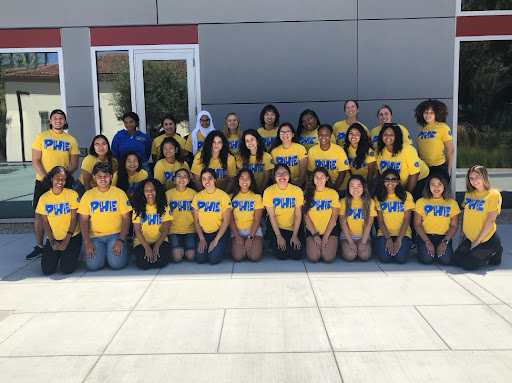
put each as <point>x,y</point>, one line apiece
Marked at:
<point>246,232</point>
<point>183,241</point>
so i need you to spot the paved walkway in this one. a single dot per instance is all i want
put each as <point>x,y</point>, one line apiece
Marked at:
<point>271,321</point>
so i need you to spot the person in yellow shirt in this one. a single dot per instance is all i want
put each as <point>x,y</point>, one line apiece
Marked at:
<point>340,128</point>
<point>283,202</point>
<point>247,209</point>
<point>436,219</point>
<point>330,156</point>
<point>233,132</point>
<point>212,213</point>
<point>130,173</point>
<point>479,242</point>
<point>269,120</point>
<point>394,206</point>
<point>105,216</point>
<point>99,151</point>
<point>215,155</point>
<point>361,157</point>
<point>384,115</point>
<point>204,125</point>
<point>253,155</point>
<point>182,233</point>
<point>50,148</point>
<point>320,210</point>
<point>58,210</point>
<point>307,129</point>
<point>151,220</point>
<point>168,124</point>
<point>286,150</point>
<point>357,213</point>
<point>172,160</point>
<point>434,137</point>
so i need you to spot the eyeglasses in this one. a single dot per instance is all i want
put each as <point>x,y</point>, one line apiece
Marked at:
<point>282,174</point>
<point>429,112</point>
<point>100,144</point>
<point>390,179</point>
<point>207,120</point>
<point>287,132</point>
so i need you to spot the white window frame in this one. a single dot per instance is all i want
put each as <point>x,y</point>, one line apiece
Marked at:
<point>460,12</point>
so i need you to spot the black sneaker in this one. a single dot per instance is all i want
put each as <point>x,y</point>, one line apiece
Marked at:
<point>496,258</point>
<point>36,253</point>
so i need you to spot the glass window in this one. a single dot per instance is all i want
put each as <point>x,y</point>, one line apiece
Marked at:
<point>45,122</point>
<point>486,5</point>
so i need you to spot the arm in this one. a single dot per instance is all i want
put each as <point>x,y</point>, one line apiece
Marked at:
<point>296,225</point>
<point>330,226</point>
<point>348,236</point>
<point>371,172</point>
<point>87,179</point>
<point>48,231</point>
<point>234,229</point>
<point>73,163</point>
<point>147,249</point>
<point>367,230</point>
<point>197,181</point>
<point>421,232</point>
<point>164,229</point>
<point>36,162</point>
<point>90,249</point>
<point>117,248</point>
<point>385,232</point>
<point>339,180</point>
<point>454,224</point>
<point>411,182</point>
<point>448,145</point>
<point>226,218</point>
<point>255,225</point>
<point>264,183</point>
<point>229,184</point>
<point>303,168</point>
<point>199,230</point>
<point>281,243</point>
<point>311,227</point>
<point>72,224</point>
<point>486,228</point>
<point>405,224</point>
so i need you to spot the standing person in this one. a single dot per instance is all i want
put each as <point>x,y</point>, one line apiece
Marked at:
<point>329,156</point>
<point>105,216</point>
<point>233,132</point>
<point>99,151</point>
<point>307,129</point>
<point>151,220</point>
<point>130,173</point>
<point>212,213</point>
<point>434,137</point>
<point>58,210</point>
<point>269,120</point>
<point>436,219</point>
<point>357,213</point>
<point>340,128</point>
<point>361,157</point>
<point>254,156</point>
<point>51,148</point>
<point>168,124</point>
<point>130,138</point>
<point>204,125</point>
<point>321,207</point>
<point>283,202</point>
<point>215,155</point>
<point>182,233</point>
<point>479,242</point>
<point>286,150</point>
<point>394,206</point>
<point>384,115</point>
<point>246,232</point>
<point>172,160</point>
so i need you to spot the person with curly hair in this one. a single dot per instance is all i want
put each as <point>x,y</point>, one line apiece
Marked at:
<point>215,155</point>
<point>384,115</point>
<point>172,160</point>
<point>58,209</point>
<point>269,121</point>
<point>168,124</point>
<point>254,156</point>
<point>351,108</point>
<point>233,132</point>
<point>361,157</point>
<point>151,220</point>
<point>130,173</point>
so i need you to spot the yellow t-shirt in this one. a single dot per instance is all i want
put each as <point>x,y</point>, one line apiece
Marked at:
<point>436,213</point>
<point>375,135</point>
<point>181,208</point>
<point>363,170</point>
<point>290,157</point>
<point>200,142</point>
<point>355,218</point>
<point>88,164</point>
<point>234,144</point>
<point>431,139</point>
<point>393,210</point>
<point>58,209</point>
<point>476,206</point>
<point>222,174</point>
<point>210,208</point>
<point>308,139</point>
<point>133,181</point>
<point>406,163</point>
<point>339,130</point>
<point>151,224</point>
<point>267,163</point>
<point>155,146</point>
<point>165,172</point>
<point>284,203</point>
<point>243,208</point>
<point>320,210</point>
<point>105,209</point>
<point>268,136</point>
<point>55,149</point>
<point>334,160</point>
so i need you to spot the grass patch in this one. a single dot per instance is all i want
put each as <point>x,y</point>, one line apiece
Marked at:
<point>491,157</point>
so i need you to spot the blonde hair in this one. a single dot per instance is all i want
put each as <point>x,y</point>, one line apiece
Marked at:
<point>482,172</point>
<point>238,129</point>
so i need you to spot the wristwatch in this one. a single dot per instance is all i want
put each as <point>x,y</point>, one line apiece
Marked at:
<point>250,236</point>
<point>445,241</point>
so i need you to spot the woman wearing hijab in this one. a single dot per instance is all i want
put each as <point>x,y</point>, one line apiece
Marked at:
<point>204,125</point>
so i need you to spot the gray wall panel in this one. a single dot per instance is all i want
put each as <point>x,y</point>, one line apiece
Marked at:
<point>81,125</point>
<point>228,11</point>
<point>372,9</point>
<point>405,58</point>
<point>258,63</point>
<point>76,13</point>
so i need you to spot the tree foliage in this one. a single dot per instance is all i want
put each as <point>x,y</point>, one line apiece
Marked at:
<point>486,5</point>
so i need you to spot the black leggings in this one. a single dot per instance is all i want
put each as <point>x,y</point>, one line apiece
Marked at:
<point>161,261</point>
<point>68,257</point>
<point>290,252</point>
<point>480,255</point>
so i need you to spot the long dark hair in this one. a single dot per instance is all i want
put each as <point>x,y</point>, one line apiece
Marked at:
<point>253,186</point>
<point>310,189</point>
<point>382,193</point>
<point>363,146</point>
<point>139,199</point>
<point>366,198</point>
<point>122,173</point>
<point>179,155</point>
<point>312,113</point>
<point>277,141</point>
<point>269,108</point>
<point>47,180</point>
<point>92,150</point>
<point>245,153</point>
<point>398,145</point>
<point>206,154</point>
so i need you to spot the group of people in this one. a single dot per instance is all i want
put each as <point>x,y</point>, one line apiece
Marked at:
<point>312,191</point>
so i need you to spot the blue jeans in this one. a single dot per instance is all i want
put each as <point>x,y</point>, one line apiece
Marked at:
<point>183,241</point>
<point>103,246</point>
<point>216,255</point>
<point>426,258</point>
<point>400,257</point>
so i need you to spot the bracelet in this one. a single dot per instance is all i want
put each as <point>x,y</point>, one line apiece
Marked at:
<point>250,237</point>
<point>122,240</point>
<point>316,234</point>
<point>70,232</point>
<point>388,238</point>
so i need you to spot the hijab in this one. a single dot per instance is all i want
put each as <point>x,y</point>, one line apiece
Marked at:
<point>200,128</point>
